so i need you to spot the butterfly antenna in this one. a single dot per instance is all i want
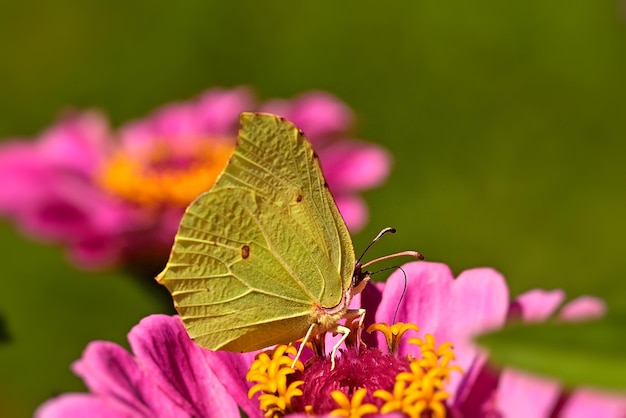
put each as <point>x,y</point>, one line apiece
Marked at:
<point>380,234</point>
<point>395,314</point>
<point>400,254</point>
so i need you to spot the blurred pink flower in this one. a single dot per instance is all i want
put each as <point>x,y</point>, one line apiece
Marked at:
<point>170,376</point>
<point>116,197</point>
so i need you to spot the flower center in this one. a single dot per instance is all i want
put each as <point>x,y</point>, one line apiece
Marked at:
<point>365,380</point>
<point>166,175</point>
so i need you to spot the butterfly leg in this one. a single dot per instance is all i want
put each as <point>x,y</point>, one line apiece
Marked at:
<point>345,332</point>
<point>306,339</point>
<point>351,315</point>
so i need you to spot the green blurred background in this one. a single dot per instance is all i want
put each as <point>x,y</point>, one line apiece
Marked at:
<point>506,121</point>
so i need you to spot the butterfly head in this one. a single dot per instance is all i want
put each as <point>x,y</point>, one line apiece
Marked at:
<point>359,279</point>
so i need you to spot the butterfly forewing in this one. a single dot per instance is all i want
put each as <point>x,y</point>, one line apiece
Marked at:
<point>280,163</point>
<point>255,253</point>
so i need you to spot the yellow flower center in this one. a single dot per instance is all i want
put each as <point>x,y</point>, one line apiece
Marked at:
<point>423,388</point>
<point>393,334</point>
<point>270,370</point>
<point>419,388</point>
<point>166,176</point>
<point>352,408</point>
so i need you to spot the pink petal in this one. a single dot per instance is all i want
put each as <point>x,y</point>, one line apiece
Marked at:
<point>177,124</point>
<point>58,215</point>
<point>175,121</point>
<point>353,210</point>
<point>112,373</point>
<point>214,114</point>
<point>318,114</point>
<point>230,370</point>
<point>53,199</point>
<point>354,165</point>
<point>22,177</point>
<point>71,208</point>
<point>31,172</point>
<point>586,403</point>
<point>523,395</point>
<point>95,252</point>
<point>583,308</point>
<point>537,305</point>
<point>47,186</point>
<point>138,137</point>
<point>80,405</point>
<point>476,396</point>
<point>179,367</point>
<point>369,299</point>
<point>136,237</point>
<point>78,143</point>
<point>218,110</point>
<point>452,310</point>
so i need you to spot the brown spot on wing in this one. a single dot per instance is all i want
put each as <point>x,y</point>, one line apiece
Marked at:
<point>245,251</point>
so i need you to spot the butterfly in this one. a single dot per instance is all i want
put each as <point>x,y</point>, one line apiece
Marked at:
<point>264,257</point>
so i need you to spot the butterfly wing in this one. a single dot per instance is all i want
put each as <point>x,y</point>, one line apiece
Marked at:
<point>255,254</point>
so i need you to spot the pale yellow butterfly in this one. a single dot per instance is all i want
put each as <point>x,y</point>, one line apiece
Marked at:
<point>264,257</point>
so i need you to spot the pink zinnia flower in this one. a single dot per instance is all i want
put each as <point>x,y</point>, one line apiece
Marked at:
<point>116,197</point>
<point>169,375</point>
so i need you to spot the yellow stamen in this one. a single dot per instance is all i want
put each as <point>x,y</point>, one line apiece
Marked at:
<point>421,389</point>
<point>166,176</point>
<point>281,402</point>
<point>436,357</point>
<point>270,370</point>
<point>352,408</point>
<point>393,334</point>
<point>393,400</point>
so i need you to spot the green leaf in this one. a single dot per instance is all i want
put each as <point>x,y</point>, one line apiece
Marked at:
<point>581,353</point>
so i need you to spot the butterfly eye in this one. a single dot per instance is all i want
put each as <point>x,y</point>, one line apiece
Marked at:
<point>359,275</point>
<point>359,279</point>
